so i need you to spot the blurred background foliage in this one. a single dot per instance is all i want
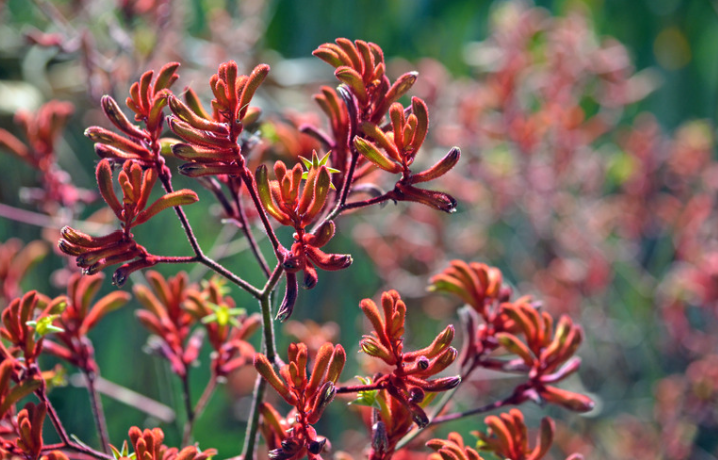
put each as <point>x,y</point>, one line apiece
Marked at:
<point>632,364</point>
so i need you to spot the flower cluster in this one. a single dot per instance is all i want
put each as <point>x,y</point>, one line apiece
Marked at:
<point>403,393</point>
<point>453,448</point>
<point>400,147</point>
<point>147,100</point>
<point>372,136</point>
<point>29,444</point>
<point>148,445</point>
<point>164,317</point>
<point>228,327</point>
<point>308,394</point>
<point>545,355</point>
<point>210,141</point>
<point>95,253</point>
<point>78,317</point>
<point>507,437</point>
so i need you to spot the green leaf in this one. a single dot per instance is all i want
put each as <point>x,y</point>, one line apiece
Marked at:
<point>366,398</point>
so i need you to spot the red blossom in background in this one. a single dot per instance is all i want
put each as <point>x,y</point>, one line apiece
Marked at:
<point>547,353</point>
<point>15,261</point>
<point>80,315</point>
<point>42,130</point>
<point>164,317</point>
<point>228,327</point>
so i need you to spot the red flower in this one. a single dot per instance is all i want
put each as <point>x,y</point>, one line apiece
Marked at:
<point>210,140</point>
<point>79,316</point>
<point>400,147</point>
<point>452,449</point>
<point>507,437</point>
<point>95,253</point>
<point>309,395</point>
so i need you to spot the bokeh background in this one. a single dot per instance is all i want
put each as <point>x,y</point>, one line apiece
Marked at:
<point>589,177</point>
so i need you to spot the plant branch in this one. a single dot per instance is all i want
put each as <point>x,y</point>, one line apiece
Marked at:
<point>249,182</point>
<point>357,388</point>
<point>127,396</point>
<point>511,400</point>
<point>97,411</point>
<point>201,258</point>
<point>206,396</point>
<point>260,385</point>
<point>364,203</point>
<point>242,219</point>
<point>267,320</point>
<point>187,398</point>
<point>60,429</point>
<point>271,353</point>
<point>175,260</point>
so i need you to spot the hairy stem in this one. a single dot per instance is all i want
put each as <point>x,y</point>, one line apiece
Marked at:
<point>97,411</point>
<point>271,352</point>
<point>187,399</point>
<point>364,203</point>
<point>206,396</point>
<point>267,321</point>
<point>242,219</point>
<point>357,388</point>
<point>175,260</point>
<point>249,182</point>
<point>260,385</point>
<point>60,429</point>
<point>201,258</point>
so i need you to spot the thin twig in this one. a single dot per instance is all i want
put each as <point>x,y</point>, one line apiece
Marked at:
<point>97,411</point>
<point>250,438</point>
<point>201,258</point>
<point>187,398</point>
<point>270,350</point>
<point>511,400</point>
<point>244,225</point>
<point>45,221</point>
<point>249,182</point>
<point>206,396</point>
<point>124,395</point>
<point>60,429</point>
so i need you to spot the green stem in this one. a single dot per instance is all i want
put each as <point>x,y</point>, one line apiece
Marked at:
<point>187,399</point>
<point>260,385</point>
<point>270,349</point>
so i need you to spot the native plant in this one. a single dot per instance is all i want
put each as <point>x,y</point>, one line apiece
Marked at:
<point>375,138</point>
